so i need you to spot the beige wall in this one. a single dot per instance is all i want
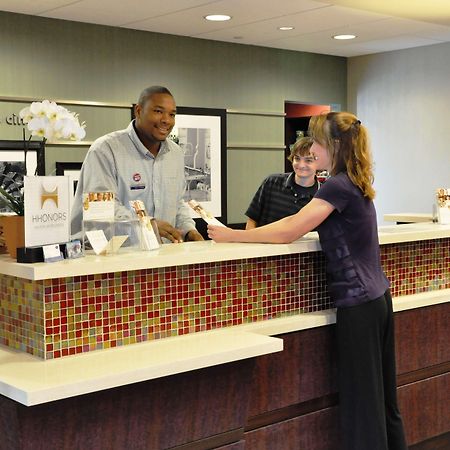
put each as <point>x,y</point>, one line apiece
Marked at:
<point>46,58</point>
<point>403,98</point>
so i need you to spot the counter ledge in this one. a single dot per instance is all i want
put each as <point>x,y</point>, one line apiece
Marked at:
<point>32,381</point>
<point>171,255</point>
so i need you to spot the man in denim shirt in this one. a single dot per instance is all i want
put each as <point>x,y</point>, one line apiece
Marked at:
<point>139,163</point>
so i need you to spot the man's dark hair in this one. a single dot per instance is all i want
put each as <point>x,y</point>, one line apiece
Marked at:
<point>152,90</point>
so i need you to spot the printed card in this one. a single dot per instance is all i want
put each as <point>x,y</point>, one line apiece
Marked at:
<point>98,206</point>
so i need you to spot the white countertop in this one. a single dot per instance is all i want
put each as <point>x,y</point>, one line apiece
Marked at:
<point>168,255</point>
<point>408,217</point>
<point>411,232</point>
<point>201,252</point>
<point>31,381</point>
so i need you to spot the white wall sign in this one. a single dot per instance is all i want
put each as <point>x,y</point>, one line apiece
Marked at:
<point>47,212</point>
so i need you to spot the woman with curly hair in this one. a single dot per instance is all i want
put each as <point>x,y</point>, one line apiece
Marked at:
<point>343,213</point>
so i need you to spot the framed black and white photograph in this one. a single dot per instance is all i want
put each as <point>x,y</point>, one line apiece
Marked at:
<point>201,133</point>
<point>70,169</point>
<point>13,166</point>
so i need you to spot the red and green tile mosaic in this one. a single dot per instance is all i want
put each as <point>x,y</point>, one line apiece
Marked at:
<point>66,316</point>
<point>415,267</point>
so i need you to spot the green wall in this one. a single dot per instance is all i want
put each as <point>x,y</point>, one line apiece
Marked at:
<point>55,59</point>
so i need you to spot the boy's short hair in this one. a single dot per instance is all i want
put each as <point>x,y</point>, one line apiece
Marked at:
<point>301,147</point>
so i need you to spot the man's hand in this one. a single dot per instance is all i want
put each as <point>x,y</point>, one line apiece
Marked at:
<point>193,235</point>
<point>168,231</point>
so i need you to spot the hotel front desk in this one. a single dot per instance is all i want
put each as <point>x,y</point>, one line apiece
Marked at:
<point>203,345</point>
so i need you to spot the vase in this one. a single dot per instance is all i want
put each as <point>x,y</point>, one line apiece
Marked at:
<point>13,233</point>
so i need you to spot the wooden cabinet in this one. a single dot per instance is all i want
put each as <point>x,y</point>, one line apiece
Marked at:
<point>283,401</point>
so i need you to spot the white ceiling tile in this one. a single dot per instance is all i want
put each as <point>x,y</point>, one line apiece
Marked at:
<point>31,6</point>
<point>117,13</point>
<point>381,25</point>
<point>191,22</point>
<point>328,18</point>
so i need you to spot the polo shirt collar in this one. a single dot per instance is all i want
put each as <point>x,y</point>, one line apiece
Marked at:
<point>290,180</point>
<point>138,143</point>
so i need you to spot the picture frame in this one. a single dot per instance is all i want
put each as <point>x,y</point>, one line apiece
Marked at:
<point>13,167</point>
<point>14,151</point>
<point>201,133</point>
<point>71,169</point>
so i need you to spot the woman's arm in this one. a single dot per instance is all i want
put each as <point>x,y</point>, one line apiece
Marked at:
<point>283,231</point>
<point>250,224</point>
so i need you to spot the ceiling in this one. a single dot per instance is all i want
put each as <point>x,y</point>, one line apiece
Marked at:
<point>380,25</point>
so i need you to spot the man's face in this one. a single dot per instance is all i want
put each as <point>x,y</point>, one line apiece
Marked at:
<point>156,118</point>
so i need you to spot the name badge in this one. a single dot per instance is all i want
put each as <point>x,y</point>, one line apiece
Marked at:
<point>137,187</point>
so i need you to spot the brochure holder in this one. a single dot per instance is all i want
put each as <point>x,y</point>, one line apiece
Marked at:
<point>109,237</point>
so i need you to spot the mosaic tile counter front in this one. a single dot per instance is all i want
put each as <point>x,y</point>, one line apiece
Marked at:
<point>67,316</point>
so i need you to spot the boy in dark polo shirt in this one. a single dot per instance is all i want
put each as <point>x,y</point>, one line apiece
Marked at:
<point>284,194</point>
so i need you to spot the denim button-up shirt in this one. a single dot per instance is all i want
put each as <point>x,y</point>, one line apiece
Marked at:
<point>120,163</point>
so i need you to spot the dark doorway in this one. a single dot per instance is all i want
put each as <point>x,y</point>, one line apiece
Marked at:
<point>296,123</point>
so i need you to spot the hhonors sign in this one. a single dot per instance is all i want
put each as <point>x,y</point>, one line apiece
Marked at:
<point>47,212</point>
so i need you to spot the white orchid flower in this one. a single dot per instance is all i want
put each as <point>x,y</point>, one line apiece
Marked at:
<point>38,125</point>
<point>51,110</point>
<point>38,109</point>
<point>68,128</point>
<point>78,134</point>
<point>63,126</point>
<point>42,127</point>
<point>25,114</point>
<point>52,122</point>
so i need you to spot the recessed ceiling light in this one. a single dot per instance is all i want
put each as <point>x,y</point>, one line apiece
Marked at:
<point>343,37</point>
<point>285,28</point>
<point>217,17</point>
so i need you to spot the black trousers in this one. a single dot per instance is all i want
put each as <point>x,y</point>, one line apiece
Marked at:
<point>368,411</point>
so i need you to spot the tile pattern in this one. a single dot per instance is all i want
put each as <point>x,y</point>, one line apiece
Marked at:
<point>415,267</point>
<point>22,315</point>
<point>66,316</point>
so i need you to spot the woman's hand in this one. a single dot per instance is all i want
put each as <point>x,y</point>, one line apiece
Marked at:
<point>221,234</point>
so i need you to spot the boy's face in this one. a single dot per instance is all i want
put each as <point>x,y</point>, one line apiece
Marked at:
<point>304,167</point>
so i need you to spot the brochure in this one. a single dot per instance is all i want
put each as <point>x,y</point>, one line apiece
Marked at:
<point>205,215</point>
<point>151,240</point>
<point>98,205</point>
<point>443,205</point>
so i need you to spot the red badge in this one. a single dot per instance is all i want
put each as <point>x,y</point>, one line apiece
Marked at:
<point>137,177</point>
